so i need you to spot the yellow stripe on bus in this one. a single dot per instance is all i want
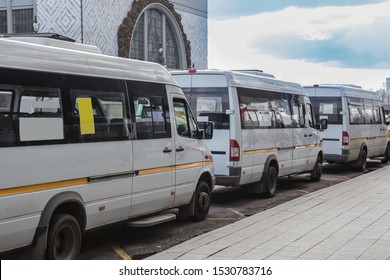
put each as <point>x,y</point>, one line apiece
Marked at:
<point>253,152</point>
<point>41,187</point>
<point>74,182</point>
<point>366,138</point>
<point>172,168</point>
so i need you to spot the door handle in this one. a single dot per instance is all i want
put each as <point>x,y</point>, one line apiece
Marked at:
<point>310,135</point>
<point>305,135</point>
<point>166,150</point>
<point>180,149</point>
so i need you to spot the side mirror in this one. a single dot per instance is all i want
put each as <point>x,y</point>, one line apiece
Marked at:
<point>206,130</point>
<point>323,125</point>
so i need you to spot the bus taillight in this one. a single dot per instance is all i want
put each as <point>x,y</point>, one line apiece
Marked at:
<point>345,138</point>
<point>234,151</point>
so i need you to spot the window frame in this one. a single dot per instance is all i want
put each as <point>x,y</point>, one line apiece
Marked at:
<point>190,121</point>
<point>139,89</point>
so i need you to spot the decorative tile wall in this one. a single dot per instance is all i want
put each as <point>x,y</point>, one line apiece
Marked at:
<point>62,17</point>
<point>196,29</point>
<point>101,20</point>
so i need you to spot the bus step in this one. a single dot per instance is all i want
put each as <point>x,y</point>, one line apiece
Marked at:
<point>152,220</point>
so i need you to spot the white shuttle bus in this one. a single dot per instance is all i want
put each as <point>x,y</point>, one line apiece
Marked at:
<point>88,140</point>
<point>263,128</point>
<point>357,127</point>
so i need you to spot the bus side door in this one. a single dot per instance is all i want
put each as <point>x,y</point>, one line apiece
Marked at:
<point>189,153</point>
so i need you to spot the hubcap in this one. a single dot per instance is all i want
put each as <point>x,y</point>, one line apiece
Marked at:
<point>63,243</point>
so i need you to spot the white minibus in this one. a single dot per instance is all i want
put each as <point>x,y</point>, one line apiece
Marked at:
<point>263,128</point>
<point>88,140</point>
<point>357,127</point>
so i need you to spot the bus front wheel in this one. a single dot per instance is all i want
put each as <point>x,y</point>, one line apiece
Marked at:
<point>64,238</point>
<point>386,156</point>
<point>202,201</point>
<point>316,173</point>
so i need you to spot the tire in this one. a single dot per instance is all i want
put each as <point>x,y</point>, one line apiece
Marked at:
<point>316,173</point>
<point>362,161</point>
<point>386,156</point>
<point>64,238</point>
<point>270,182</point>
<point>202,201</point>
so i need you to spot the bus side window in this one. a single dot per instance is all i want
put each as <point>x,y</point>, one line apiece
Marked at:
<point>151,111</point>
<point>309,115</point>
<point>104,113</point>
<point>40,115</point>
<point>186,125</point>
<point>7,130</point>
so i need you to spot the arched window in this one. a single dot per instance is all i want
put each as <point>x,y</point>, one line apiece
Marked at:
<point>156,37</point>
<point>16,16</point>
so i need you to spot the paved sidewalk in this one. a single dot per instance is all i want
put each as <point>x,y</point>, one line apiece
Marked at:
<point>347,221</point>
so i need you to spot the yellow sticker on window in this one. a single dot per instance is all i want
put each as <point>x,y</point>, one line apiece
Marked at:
<point>87,125</point>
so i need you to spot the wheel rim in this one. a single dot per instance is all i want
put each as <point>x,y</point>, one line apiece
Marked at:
<point>64,243</point>
<point>203,202</point>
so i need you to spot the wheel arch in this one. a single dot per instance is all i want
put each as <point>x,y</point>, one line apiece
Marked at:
<point>67,203</point>
<point>207,178</point>
<point>271,161</point>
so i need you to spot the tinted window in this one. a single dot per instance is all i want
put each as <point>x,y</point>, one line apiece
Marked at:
<point>210,104</point>
<point>266,109</point>
<point>98,110</point>
<point>31,108</point>
<point>185,122</point>
<point>327,108</point>
<point>151,110</point>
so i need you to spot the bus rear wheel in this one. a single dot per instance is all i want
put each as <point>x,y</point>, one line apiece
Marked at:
<point>361,163</point>
<point>270,181</point>
<point>64,238</point>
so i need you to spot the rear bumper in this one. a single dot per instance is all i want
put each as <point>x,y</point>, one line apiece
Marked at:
<point>233,179</point>
<point>343,157</point>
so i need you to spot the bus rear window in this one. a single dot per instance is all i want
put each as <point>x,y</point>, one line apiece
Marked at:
<point>327,108</point>
<point>210,104</point>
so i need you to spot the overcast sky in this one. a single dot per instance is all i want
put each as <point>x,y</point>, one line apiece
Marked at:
<point>310,42</point>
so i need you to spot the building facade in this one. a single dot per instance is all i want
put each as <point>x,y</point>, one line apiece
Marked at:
<point>173,33</point>
<point>388,86</point>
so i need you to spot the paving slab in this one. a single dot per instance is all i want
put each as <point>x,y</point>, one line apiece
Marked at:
<point>347,221</point>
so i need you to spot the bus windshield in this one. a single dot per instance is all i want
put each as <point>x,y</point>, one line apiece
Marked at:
<point>210,104</point>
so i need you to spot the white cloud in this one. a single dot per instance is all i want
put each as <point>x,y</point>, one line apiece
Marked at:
<point>237,43</point>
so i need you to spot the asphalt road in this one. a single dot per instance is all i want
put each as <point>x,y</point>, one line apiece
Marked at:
<point>117,241</point>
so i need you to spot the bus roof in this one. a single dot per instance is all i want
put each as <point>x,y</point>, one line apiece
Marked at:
<point>54,59</point>
<point>240,79</point>
<point>346,90</point>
